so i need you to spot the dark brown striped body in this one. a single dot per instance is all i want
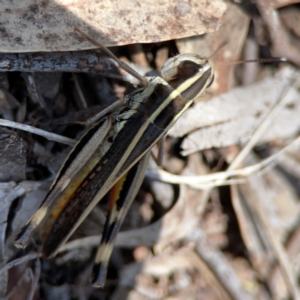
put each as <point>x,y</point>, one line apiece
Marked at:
<point>101,175</point>
<point>93,167</point>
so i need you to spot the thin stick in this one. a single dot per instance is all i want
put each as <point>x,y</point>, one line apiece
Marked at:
<point>261,60</point>
<point>35,279</point>
<point>18,261</point>
<point>121,64</point>
<point>268,119</point>
<point>280,254</point>
<point>201,181</point>
<point>48,135</point>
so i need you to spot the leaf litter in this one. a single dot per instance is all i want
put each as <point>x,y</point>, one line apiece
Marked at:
<point>227,224</point>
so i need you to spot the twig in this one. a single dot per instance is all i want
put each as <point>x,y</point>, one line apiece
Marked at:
<point>264,125</point>
<point>201,181</point>
<point>60,138</point>
<point>35,279</point>
<point>77,61</point>
<point>32,280</point>
<point>281,255</point>
<point>290,278</point>
<point>48,135</point>
<point>20,260</point>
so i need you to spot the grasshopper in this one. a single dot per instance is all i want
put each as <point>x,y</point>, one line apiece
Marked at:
<point>113,155</point>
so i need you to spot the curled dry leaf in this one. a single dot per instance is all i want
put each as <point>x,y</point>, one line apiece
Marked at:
<point>36,25</point>
<point>232,118</point>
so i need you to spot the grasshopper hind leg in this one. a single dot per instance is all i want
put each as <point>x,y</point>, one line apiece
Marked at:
<point>121,198</point>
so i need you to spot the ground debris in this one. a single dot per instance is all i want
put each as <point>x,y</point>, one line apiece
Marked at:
<point>223,222</point>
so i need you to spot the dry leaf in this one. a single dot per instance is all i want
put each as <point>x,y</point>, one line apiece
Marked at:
<point>232,118</point>
<point>233,31</point>
<point>36,25</point>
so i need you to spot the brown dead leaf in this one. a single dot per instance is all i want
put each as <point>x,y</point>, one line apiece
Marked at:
<point>290,18</point>
<point>36,25</point>
<point>233,31</point>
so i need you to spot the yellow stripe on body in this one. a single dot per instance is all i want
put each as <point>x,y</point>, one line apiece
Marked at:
<point>136,104</point>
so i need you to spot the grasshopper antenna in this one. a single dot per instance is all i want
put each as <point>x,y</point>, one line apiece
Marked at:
<point>121,64</point>
<point>259,60</point>
<point>238,62</point>
<point>222,45</point>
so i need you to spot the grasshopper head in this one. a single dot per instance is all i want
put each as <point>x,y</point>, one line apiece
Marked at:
<point>189,74</point>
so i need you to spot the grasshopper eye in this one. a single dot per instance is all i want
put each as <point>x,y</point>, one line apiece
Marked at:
<point>184,67</point>
<point>188,69</point>
<point>189,74</point>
